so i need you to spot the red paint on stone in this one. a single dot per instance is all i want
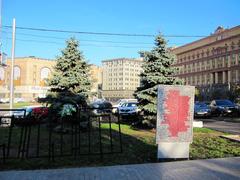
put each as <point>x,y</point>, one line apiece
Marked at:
<point>176,114</point>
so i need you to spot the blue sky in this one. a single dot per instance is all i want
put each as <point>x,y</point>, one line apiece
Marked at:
<point>185,17</point>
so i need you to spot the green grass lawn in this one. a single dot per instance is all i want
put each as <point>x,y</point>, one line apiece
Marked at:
<point>138,147</point>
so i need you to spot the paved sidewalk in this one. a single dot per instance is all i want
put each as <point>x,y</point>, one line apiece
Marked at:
<point>226,168</point>
<point>223,126</point>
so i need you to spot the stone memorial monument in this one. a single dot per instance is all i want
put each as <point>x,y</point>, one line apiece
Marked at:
<point>174,120</point>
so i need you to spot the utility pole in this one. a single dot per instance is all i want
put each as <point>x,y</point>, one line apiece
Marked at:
<point>1,29</point>
<point>12,64</point>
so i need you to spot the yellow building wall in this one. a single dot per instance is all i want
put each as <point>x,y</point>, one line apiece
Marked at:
<point>30,84</point>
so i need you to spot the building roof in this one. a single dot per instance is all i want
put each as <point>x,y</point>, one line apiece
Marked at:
<point>32,57</point>
<point>209,39</point>
<point>123,59</point>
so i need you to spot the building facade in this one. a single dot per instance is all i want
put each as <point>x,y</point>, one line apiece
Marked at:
<point>96,79</point>
<point>120,78</point>
<point>30,75</point>
<point>212,62</point>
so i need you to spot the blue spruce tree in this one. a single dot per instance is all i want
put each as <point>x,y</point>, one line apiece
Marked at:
<point>157,69</point>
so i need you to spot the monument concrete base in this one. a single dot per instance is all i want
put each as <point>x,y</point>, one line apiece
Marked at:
<point>168,150</point>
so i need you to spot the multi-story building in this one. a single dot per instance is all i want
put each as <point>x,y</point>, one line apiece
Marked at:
<point>120,77</point>
<point>211,62</point>
<point>30,74</point>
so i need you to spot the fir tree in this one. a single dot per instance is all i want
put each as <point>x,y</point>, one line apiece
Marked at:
<point>157,69</point>
<point>71,73</point>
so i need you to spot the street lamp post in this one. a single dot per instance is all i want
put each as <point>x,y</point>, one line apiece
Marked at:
<point>1,28</point>
<point>12,64</point>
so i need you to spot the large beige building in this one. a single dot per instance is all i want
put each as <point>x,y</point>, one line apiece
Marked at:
<point>211,62</point>
<point>30,74</point>
<point>120,78</point>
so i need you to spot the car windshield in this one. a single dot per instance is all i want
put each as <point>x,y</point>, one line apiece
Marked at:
<point>224,103</point>
<point>132,104</point>
<point>129,105</point>
<point>121,103</point>
<point>201,105</point>
<point>102,104</point>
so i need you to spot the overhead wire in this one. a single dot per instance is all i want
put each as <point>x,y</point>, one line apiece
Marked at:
<point>82,40</point>
<point>87,40</point>
<point>93,45</point>
<point>98,33</point>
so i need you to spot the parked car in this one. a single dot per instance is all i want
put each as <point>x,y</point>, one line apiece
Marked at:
<point>101,107</point>
<point>31,112</point>
<point>223,107</point>
<point>36,111</point>
<point>18,100</point>
<point>121,102</point>
<point>129,108</point>
<point>4,100</point>
<point>201,109</point>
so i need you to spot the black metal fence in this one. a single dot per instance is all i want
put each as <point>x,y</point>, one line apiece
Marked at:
<point>89,131</point>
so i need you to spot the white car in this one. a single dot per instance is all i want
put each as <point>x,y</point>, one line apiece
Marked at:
<point>6,118</point>
<point>129,108</point>
<point>4,100</point>
<point>121,102</point>
<point>18,100</point>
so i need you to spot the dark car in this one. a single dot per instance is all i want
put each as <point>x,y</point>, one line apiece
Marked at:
<point>101,107</point>
<point>223,108</point>
<point>201,109</point>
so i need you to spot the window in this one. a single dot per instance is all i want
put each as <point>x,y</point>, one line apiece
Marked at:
<point>193,80</point>
<point>208,65</point>
<point>44,74</point>
<point>226,61</point>
<point>198,66</point>
<point>238,58</point>
<point>219,37</point>
<point>203,66</point>
<point>233,45</point>
<point>189,80</point>
<point>213,63</point>
<point>219,62</point>
<point>185,70</point>
<point>207,52</point>
<point>233,75</point>
<point>233,59</point>
<point>208,78</point>
<point>193,56</point>
<point>198,79</point>
<point>188,68</point>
